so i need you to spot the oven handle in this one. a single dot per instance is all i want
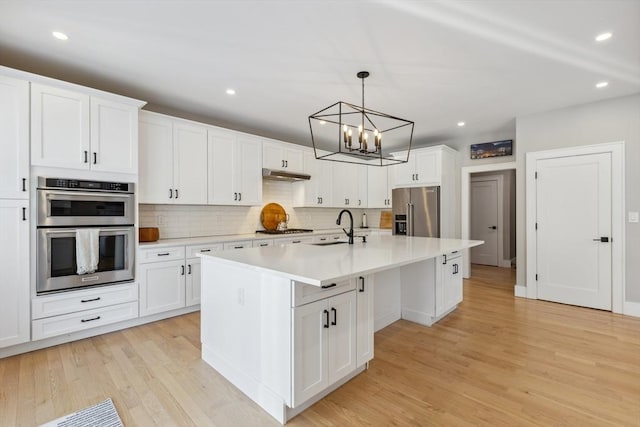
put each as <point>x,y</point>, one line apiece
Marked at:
<point>128,229</point>
<point>74,194</point>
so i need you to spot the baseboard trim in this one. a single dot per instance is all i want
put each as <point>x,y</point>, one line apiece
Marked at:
<point>520,291</point>
<point>631,308</point>
<point>504,263</point>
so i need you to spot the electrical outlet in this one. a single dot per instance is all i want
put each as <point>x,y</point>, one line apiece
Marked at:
<point>633,217</point>
<point>162,220</point>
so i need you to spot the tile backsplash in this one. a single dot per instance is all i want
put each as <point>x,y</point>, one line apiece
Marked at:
<point>177,221</point>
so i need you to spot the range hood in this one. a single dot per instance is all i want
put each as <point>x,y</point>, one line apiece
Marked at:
<point>278,175</point>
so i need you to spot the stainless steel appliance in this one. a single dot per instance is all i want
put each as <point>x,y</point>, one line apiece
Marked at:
<point>416,211</point>
<point>67,205</point>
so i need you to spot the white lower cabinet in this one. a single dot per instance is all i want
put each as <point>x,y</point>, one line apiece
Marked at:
<point>324,344</point>
<point>161,286</point>
<point>170,277</point>
<point>448,283</point>
<point>14,261</point>
<point>364,322</point>
<point>293,240</point>
<point>74,311</point>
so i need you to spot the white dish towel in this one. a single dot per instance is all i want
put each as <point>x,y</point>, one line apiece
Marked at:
<point>87,250</point>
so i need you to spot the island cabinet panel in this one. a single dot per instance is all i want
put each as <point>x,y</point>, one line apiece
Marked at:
<point>324,344</point>
<point>364,322</point>
<point>448,283</point>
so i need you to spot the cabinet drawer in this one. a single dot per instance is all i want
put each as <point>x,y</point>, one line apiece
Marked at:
<point>161,254</point>
<point>304,294</point>
<point>328,238</point>
<point>238,245</point>
<point>262,243</point>
<point>293,240</point>
<point>70,302</point>
<point>193,251</point>
<point>446,258</point>
<point>68,323</point>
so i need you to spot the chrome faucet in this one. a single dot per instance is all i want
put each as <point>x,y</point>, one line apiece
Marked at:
<point>350,232</point>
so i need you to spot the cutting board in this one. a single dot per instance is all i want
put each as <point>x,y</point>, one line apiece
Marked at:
<point>386,220</point>
<point>271,216</point>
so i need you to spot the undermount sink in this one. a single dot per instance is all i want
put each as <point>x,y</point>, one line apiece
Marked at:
<point>329,243</point>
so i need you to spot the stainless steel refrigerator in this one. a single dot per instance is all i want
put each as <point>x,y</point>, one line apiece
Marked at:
<point>416,211</point>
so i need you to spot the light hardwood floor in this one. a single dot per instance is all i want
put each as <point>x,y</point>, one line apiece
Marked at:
<point>497,360</point>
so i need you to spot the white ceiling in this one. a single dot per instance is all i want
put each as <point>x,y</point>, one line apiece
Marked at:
<point>433,62</point>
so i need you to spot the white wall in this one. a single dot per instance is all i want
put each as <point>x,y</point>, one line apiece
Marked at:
<point>194,221</point>
<point>612,120</point>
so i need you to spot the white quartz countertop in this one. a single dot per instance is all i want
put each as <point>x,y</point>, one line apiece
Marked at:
<point>162,243</point>
<point>322,265</point>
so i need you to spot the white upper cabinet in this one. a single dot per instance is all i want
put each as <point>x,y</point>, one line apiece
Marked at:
<point>423,168</point>
<point>282,156</point>
<point>345,184</point>
<point>60,121</point>
<point>189,163</point>
<point>316,192</point>
<point>73,130</point>
<point>14,138</point>
<point>114,136</point>
<point>173,161</point>
<point>378,187</point>
<point>235,173</point>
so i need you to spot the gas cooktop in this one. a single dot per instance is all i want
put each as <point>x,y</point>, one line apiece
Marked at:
<point>287,231</point>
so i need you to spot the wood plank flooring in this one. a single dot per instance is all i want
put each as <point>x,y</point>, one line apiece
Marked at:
<point>497,360</point>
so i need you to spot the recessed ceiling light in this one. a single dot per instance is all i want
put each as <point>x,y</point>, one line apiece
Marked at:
<point>604,36</point>
<point>322,122</point>
<point>60,36</point>
<point>231,92</point>
<point>460,124</point>
<point>600,85</point>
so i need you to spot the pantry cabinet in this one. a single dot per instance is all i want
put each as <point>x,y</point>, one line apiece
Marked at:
<point>235,173</point>
<point>173,161</point>
<point>14,138</point>
<point>73,130</point>
<point>14,263</point>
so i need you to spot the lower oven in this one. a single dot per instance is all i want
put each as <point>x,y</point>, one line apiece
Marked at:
<point>57,267</point>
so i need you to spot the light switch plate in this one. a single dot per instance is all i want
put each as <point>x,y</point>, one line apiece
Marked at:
<point>633,217</point>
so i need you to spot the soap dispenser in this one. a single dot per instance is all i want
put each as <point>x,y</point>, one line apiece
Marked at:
<point>364,220</point>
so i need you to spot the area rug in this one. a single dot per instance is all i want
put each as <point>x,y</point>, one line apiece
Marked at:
<point>103,414</point>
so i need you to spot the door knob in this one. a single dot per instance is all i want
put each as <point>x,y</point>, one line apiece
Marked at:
<point>493,227</point>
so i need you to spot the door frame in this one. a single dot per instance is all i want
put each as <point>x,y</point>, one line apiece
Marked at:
<point>465,205</point>
<point>500,192</point>
<point>616,149</point>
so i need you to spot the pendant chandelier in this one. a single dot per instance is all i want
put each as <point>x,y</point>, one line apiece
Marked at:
<point>345,132</point>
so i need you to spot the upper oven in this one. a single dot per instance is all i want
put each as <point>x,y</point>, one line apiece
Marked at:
<point>69,202</point>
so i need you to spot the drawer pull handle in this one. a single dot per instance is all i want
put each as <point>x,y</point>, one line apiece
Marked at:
<point>328,286</point>
<point>90,320</point>
<point>205,250</point>
<point>296,241</point>
<point>264,244</point>
<point>326,319</point>
<point>238,247</point>
<point>361,284</point>
<point>90,300</point>
<point>164,254</point>
<point>335,316</point>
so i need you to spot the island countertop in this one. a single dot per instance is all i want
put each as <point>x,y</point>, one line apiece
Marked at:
<point>322,265</point>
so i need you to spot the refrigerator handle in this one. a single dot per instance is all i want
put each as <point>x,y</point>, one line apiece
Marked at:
<point>409,219</point>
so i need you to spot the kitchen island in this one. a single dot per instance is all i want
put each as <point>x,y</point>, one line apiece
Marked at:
<point>289,324</point>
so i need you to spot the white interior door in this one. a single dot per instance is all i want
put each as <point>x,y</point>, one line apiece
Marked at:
<point>484,221</point>
<point>573,199</point>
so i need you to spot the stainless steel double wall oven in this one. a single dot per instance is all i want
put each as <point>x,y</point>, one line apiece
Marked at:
<point>67,205</point>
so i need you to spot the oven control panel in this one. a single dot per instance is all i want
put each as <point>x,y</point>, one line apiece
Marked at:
<point>78,184</point>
